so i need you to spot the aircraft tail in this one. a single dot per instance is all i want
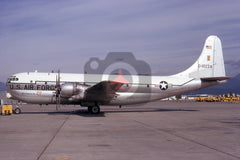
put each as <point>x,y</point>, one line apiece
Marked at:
<point>210,64</point>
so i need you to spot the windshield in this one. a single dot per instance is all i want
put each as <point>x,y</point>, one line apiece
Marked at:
<point>12,78</point>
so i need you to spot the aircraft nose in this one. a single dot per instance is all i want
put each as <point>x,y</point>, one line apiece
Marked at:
<point>9,79</point>
<point>9,86</point>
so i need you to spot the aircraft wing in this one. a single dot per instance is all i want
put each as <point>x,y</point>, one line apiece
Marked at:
<point>103,91</point>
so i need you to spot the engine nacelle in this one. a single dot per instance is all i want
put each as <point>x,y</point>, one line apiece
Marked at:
<point>69,90</point>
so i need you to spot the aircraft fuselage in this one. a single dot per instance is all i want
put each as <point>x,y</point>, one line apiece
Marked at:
<point>40,88</point>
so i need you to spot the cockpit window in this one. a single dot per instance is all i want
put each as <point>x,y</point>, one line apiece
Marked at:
<point>12,79</point>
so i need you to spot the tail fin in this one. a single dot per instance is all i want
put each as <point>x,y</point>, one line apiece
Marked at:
<point>210,64</point>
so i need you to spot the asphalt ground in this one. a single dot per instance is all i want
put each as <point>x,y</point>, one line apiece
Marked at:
<point>153,131</point>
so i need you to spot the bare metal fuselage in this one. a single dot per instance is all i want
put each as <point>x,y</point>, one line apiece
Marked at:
<point>41,89</point>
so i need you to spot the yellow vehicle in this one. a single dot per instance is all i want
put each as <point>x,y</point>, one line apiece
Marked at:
<point>200,99</point>
<point>6,109</point>
<point>232,99</point>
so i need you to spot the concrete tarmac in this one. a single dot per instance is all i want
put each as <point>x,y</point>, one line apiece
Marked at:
<point>153,131</point>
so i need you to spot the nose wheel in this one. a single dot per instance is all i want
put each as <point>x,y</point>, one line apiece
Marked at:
<point>94,109</point>
<point>17,110</point>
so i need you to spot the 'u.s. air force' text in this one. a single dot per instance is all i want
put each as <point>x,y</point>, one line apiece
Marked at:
<point>32,87</point>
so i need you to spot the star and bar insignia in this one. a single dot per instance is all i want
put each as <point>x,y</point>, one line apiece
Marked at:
<point>163,85</point>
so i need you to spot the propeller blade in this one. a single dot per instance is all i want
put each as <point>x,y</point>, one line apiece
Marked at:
<point>58,90</point>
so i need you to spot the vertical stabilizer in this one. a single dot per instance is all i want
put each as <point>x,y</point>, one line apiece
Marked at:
<point>210,64</point>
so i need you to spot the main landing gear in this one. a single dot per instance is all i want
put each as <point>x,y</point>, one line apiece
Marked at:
<point>94,109</point>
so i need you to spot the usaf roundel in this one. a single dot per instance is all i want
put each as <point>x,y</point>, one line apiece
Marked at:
<point>163,85</point>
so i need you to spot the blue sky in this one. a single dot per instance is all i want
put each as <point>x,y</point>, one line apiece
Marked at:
<point>169,35</point>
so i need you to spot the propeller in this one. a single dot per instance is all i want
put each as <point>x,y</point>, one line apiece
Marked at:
<point>58,90</point>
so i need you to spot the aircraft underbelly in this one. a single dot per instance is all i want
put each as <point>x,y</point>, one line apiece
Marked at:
<point>31,96</point>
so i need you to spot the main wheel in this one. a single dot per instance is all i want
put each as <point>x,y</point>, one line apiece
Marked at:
<point>95,109</point>
<point>17,111</point>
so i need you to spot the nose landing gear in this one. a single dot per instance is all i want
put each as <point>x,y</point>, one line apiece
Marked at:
<point>17,110</point>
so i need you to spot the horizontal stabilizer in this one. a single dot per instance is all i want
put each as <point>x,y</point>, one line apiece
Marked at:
<point>215,78</point>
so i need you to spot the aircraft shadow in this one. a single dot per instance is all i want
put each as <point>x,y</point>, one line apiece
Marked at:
<point>76,112</point>
<point>85,113</point>
<point>153,110</point>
